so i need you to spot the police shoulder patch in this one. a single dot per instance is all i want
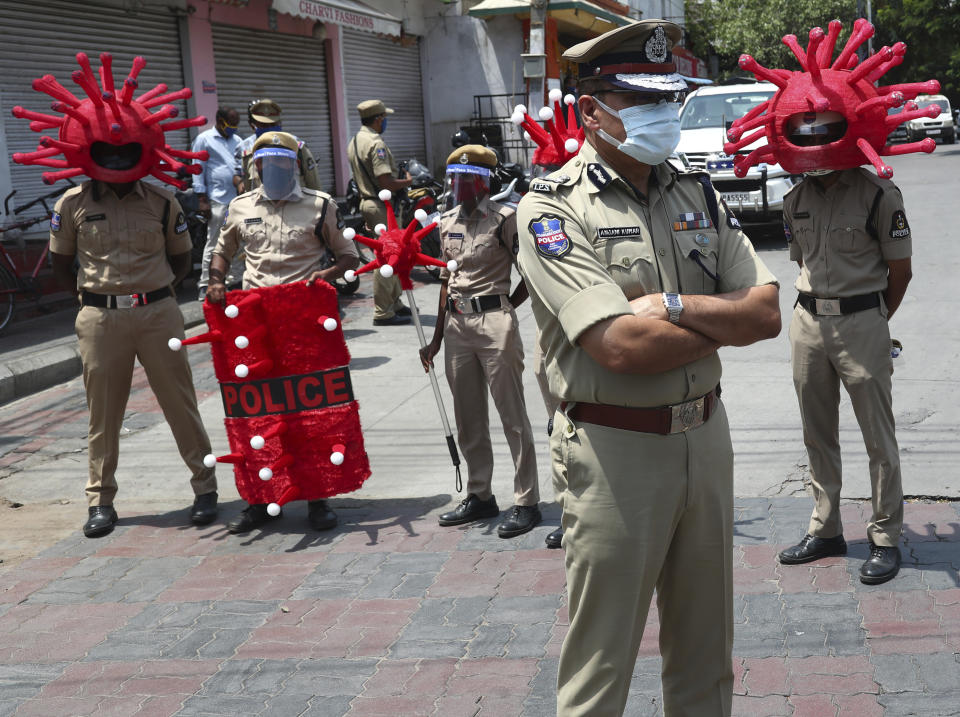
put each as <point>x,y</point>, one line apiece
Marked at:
<point>55,222</point>
<point>787,233</point>
<point>538,185</point>
<point>181,225</point>
<point>899,229</point>
<point>551,237</point>
<point>598,175</point>
<point>381,153</point>
<point>732,220</point>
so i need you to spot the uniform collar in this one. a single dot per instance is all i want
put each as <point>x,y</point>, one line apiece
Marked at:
<point>601,175</point>
<point>100,189</point>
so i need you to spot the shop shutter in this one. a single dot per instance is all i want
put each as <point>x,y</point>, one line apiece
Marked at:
<point>40,38</point>
<point>288,69</point>
<point>376,68</point>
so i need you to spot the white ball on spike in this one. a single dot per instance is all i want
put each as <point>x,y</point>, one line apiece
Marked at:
<point>516,118</point>
<point>232,311</point>
<point>241,371</point>
<point>380,229</point>
<point>545,114</point>
<point>241,342</point>
<point>571,145</point>
<point>349,233</point>
<point>209,460</point>
<point>265,473</point>
<point>386,271</point>
<point>452,265</point>
<point>555,95</point>
<point>257,443</point>
<point>273,509</point>
<point>421,216</point>
<point>336,458</point>
<point>526,136</point>
<point>330,323</point>
<point>174,344</point>
<point>349,275</point>
<point>385,195</point>
<point>569,99</point>
<point>521,108</point>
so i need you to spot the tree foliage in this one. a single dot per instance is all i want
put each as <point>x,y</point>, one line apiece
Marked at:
<point>729,28</point>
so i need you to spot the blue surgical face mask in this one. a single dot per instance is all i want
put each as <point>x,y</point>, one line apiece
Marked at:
<point>272,128</point>
<point>383,126</point>
<point>653,131</point>
<point>228,132</point>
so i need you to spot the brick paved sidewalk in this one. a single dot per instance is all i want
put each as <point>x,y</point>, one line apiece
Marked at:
<point>392,615</point>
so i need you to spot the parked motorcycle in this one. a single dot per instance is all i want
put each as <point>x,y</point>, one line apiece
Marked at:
<point>424,193</point>
<point>349,208</point>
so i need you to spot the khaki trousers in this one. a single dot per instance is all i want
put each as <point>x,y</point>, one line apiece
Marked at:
<point>386,291</point>
<point>641,512</point>
<point>110,339</point>
<point>215,223</point>
<point>484,350</point>
<point>854,350</point>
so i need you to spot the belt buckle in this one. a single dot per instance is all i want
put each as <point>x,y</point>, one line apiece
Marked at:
<point>460,305</point>
<point>827,307</point>
<point>687,415</point>
<point>126,302</point>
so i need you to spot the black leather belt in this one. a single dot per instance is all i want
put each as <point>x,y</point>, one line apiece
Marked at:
<point>838,306</point>
<point>663,420</point>
<point>124,301</point>
<point>475,304</point>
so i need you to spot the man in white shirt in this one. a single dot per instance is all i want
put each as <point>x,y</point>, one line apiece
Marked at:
<point>214,186</point>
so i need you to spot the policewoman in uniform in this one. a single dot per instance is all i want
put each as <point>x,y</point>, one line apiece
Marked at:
<point>638,274</point>
<point>266,116</point>
<point>483,346</point>
<point>131,243</point>
<point>285,230</point>
<point>849,233</point>
<point>374,169</point>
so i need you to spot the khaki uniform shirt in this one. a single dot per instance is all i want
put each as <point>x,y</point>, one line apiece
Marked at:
<point>845,234</point>
<point>588,245</point>
<point>121,245</point>
<point>247,169</point>
<point>484,245</point>
<point>369,158</point>
<point>281,239</point>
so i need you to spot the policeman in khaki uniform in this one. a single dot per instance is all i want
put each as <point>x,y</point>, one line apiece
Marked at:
<point>638,274</point>
<point>374,169</point>
<point>476,316</point>
<point>285,231</point>
<point>848,232</point>
<point>131,243</point>
<point>266,116</point>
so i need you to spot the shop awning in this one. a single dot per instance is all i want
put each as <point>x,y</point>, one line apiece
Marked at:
<point>574,16</point>
<point>349,13</point>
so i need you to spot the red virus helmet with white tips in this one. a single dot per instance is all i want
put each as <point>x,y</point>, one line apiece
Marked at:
<point>110,135</point>
<point>559,140</point>
<point>830,115</point>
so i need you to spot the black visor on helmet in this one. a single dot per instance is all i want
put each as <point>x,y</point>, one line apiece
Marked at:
<point>812,129</point>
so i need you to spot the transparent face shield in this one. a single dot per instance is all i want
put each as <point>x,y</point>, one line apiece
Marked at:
<point>278,173</point>
<point>467,184</point>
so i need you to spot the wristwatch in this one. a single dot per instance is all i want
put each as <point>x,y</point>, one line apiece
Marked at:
<point>673,305</point>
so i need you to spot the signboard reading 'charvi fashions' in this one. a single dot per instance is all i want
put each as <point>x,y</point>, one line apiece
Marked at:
<point>349,13</point>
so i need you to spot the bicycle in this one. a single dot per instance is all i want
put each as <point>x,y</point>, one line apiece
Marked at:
<point>12,282</point>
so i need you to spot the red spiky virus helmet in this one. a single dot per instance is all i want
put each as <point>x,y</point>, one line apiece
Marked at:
<point>830,116</point>
<point>559,140</point>
<point>110,135</point>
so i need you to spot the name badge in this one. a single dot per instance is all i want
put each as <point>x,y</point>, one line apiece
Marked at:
<point>455,235</point>
<point>253,220</point>
<point>95,217</point>
<point>614,232</point>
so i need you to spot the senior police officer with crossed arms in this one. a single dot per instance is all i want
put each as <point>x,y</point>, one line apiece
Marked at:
<point>374,169</point>
<point>638,274</point>
<point>848,232</point>
<point>483,346</point>
<point>131,243</point>
<point>285,230</point>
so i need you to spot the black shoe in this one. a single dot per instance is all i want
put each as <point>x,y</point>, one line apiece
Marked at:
<point>882,565</point>
<point>204,509</point>
<point>521,519</point>
<point>811,548</point>
<point>253,516</point>
<point>471,508</point>
<point>404,311</point>
<point>320,516</point>
<point>395,320</point>
<point>553,539</point>
<point>101,521</point>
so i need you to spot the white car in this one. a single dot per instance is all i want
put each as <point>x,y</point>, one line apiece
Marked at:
<point>939,127</point>
<point>706,115</point>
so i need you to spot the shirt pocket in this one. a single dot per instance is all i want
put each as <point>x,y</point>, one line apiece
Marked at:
<point>803,234</point>
<point>453,248</point>
<point>698,260</point>
<point>253,237</point>
<point>630,263</point>
<point>94,237</point>
<point>848,233</point>
<point>148,237</point>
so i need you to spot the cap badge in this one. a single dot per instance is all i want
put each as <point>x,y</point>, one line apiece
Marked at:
<point>656,47</point>
<point>276,139</point>
<point>464,159</point>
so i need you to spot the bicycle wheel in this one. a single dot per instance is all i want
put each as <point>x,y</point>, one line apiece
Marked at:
<point>8,296</point>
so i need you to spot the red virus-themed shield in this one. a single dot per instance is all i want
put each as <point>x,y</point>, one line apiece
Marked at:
<point>291,417</point>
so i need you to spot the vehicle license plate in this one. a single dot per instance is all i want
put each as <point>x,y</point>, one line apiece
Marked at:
<point>933,131</point>
<point>736,197</point>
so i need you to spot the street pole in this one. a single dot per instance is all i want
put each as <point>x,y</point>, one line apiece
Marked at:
<point>538,19</point>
